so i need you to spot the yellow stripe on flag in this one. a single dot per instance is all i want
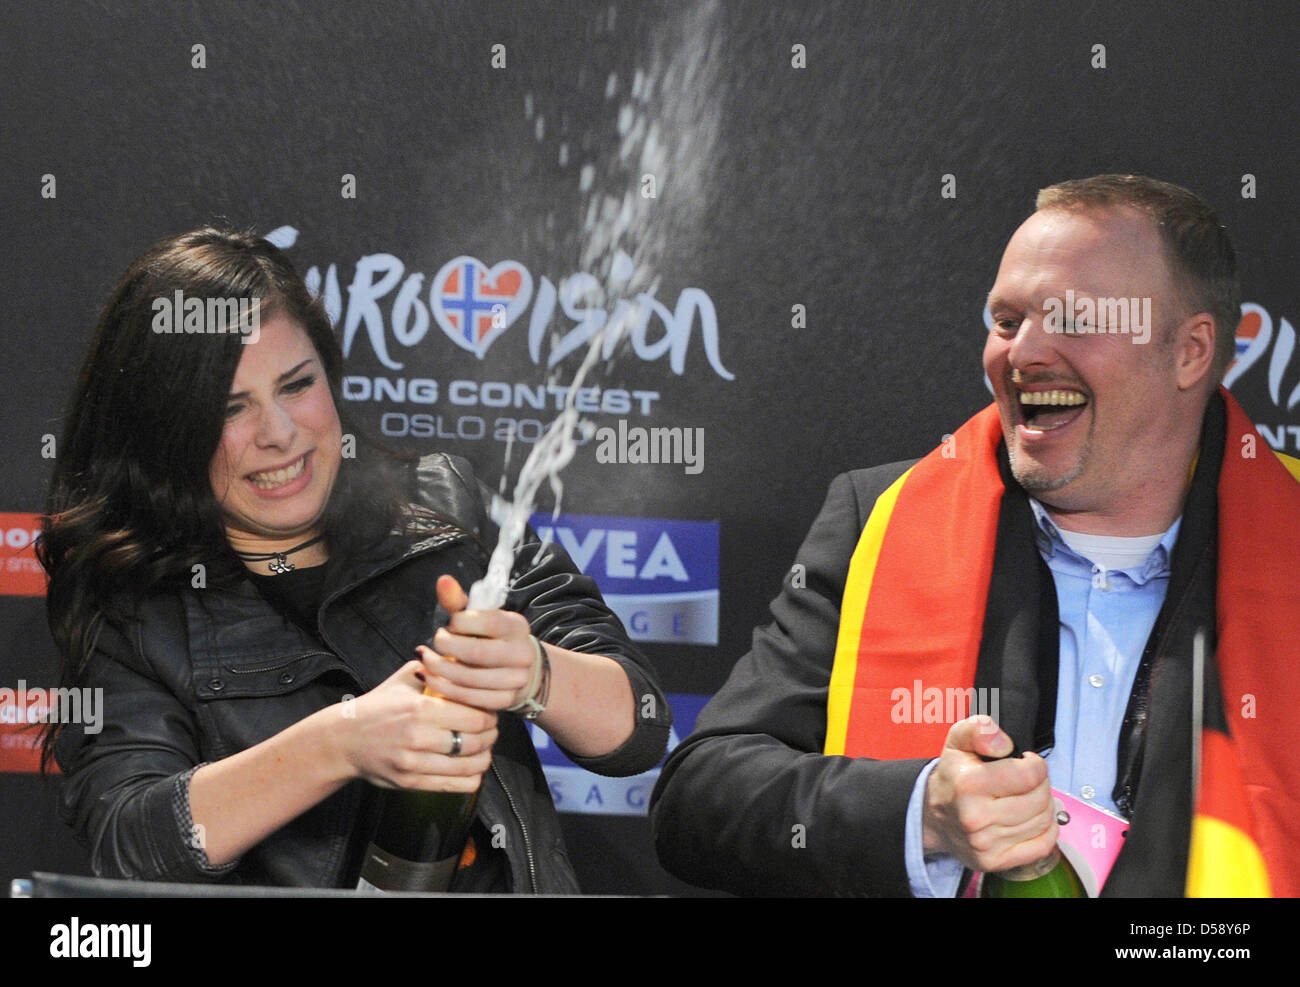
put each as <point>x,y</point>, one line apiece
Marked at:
<point>1224,862</point>
<point>862,568</point>
<point>1290,462</point>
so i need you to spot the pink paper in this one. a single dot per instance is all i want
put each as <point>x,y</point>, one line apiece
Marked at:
<point>1091,839</point>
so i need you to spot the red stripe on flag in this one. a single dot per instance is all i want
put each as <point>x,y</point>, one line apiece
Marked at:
<point>924,616</point>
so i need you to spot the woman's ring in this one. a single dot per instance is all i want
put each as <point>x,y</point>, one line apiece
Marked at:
<point>455,743</point>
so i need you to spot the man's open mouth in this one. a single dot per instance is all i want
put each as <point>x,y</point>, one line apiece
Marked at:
<point>1045,411</point>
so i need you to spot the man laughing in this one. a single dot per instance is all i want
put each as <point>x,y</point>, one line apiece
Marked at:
<point>1065,547</point>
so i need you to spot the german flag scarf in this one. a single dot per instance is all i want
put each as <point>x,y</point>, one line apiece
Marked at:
<point>913,608</point>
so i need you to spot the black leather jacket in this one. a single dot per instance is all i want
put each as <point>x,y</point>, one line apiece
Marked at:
<point>201,675</point>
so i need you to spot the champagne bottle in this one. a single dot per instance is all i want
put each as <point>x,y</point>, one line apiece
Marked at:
<point>419,841</point>
<point>1051,877</point>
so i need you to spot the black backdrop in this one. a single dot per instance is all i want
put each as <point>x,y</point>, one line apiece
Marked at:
<point>797,154</point>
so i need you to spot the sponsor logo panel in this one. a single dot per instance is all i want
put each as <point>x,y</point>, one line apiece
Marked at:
<point>20,573</point>
<point>575,789</point>
<point>21,713</point>
<point>659,576</point>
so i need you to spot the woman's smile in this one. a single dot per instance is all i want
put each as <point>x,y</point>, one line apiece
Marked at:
<point>283,481</point>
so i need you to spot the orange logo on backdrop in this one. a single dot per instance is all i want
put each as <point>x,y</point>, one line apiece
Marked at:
<point>20,573</point>
<point>20,727</point>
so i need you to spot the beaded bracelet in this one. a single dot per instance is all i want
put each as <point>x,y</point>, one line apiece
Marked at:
<point>539,685</point>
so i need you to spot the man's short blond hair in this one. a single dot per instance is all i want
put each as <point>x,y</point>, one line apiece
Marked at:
<point>1197,248</point>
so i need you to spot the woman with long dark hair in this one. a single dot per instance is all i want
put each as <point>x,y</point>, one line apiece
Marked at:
<point>254,590</point>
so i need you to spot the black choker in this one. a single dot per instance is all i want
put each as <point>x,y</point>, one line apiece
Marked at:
<point>279,563</point>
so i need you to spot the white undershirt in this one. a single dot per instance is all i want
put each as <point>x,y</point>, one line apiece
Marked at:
<point>1111,551</point>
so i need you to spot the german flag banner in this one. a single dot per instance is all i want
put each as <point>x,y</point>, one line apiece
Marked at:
<point>1225,860</point>
<point>1246,830</point>
<point>915,596</point>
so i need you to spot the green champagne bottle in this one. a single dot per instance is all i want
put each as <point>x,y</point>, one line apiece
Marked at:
<point>1051,877</point>
<point>420,839</point>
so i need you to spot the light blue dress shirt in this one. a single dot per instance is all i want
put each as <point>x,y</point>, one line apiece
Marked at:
<point>1106,618</point>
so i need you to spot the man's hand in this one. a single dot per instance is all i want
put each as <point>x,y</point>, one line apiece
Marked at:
<point>990,815</point>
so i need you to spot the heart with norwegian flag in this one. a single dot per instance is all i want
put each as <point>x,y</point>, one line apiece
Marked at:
<point>474,303</point>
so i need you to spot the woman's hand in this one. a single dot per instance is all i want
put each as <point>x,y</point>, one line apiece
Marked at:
<point>394,736</point>
<point>482,658</point>
<point>402,738</point>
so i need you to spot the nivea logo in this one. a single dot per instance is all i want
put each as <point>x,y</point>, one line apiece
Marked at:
<point>620,554</point>
<point>659,576</point>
